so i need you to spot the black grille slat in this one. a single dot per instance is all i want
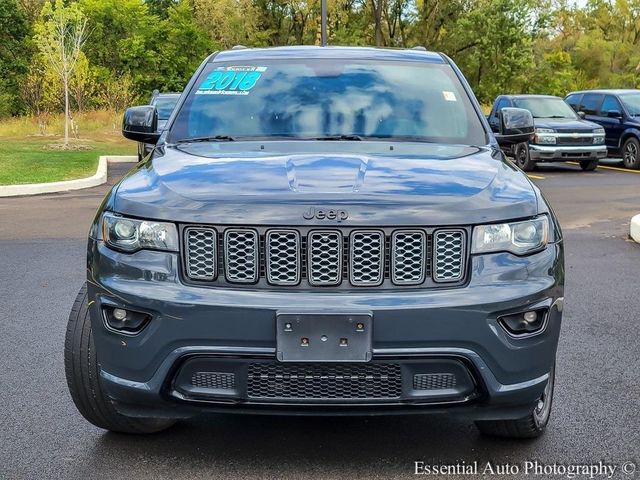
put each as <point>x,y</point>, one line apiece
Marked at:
<point>449,255</point>
<point>408,257</point>
<point>367,257</point>
<point>241,247</point>
<point>283,257</point>
<point>324,381</point>
<point>324,252</point>
<point>200,253</point>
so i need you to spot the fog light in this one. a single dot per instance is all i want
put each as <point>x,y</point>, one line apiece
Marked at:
<point>524,323</point>
<point>125,321</point>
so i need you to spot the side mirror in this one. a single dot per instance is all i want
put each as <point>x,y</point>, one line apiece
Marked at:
<point>581,115</point>
<point>516,126</point>
<point>614,114</point>
<point>141,124</point>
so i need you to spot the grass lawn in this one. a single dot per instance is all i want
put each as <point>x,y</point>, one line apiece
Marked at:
<point>26,156</point>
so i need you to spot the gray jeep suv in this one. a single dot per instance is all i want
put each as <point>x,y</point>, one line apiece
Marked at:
<point>321,231</point>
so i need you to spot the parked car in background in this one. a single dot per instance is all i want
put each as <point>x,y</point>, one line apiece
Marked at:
<point>561,135</point>
<point>618,112</point>
<point>164,103</point>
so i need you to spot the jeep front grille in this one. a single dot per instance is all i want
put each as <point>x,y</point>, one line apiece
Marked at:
<point>367,257</point>
<point>241,255</point>
<point>409,248</point>
<point>305,257</point>
<point>283,257</point>
<point>449,255</point>
<point>200,251</point>
<point>325,257</point>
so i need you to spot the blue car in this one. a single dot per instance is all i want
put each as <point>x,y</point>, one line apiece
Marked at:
<point>618,112</point>
<point>321,231</point>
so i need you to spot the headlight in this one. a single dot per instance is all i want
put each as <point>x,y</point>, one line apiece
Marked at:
<point>599,138</point>
<point>545,136</point>
<point>129,234</point>
<point>519,237</point>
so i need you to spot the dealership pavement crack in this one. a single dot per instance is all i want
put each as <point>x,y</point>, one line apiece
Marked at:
<point>42,250</point>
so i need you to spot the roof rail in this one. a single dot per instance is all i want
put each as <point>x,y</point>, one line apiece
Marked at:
<point>239,47</point>
<point>419,47</point>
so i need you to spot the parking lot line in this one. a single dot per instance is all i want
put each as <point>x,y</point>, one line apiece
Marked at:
<point>625,170</point>
<point>535,177</point>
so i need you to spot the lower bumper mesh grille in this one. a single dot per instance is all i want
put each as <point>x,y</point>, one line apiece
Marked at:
<point>324,381</point>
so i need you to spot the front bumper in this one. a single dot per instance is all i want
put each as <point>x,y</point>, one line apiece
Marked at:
<point>561,153</point>
<point>421,331</point>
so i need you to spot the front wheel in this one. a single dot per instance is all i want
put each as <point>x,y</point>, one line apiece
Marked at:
<point>531,426</point>
<point>589,165</point>
<point>522,157</point>
<point>631,153</point>
<point>83,378</point>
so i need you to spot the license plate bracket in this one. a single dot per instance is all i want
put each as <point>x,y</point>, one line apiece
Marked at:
<point>324,337</point>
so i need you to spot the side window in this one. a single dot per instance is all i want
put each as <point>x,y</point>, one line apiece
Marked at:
<point>574,101</point>
<point>610,103</point>
<point>503,102</point>
<point>591,103</point>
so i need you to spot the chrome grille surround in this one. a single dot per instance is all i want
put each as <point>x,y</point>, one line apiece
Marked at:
<point>241,255</point>
<point>408,257</point>
<point>283,257</point>
<point>324,248</point>
<point>366,257</point>
<point>201,253</point>
<point>449,255</point>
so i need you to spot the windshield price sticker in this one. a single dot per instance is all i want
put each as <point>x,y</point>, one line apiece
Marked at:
<point>234,80</point>
<point>449,96</point>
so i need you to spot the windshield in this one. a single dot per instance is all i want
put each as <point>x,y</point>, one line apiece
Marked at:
<point>631,102</point>
<point>342,99</point>
<point>543,107</point>
<point>165,105</point>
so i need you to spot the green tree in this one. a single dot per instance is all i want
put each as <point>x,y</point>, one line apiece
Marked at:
<point>14,55</point>
<point>60,35</point>
<point>125,39</point>
<point>186,44</point>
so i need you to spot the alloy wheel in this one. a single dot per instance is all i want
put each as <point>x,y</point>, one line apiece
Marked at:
<point>630,154</point>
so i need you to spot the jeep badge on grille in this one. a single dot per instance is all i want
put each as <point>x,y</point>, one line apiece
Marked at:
<point>331,214</point>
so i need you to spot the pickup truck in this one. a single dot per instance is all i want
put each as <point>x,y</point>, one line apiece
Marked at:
<point>618,112</point>
<point>560,134</point>
<point>321,231</point>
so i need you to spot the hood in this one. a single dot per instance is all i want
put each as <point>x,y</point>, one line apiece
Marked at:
<point>268,184</point>
<point>566,124</point>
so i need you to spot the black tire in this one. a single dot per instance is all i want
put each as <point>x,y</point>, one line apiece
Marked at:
<point>522,158</point>
<point>631,153</point>
<point>589,165</point>
<point>83,378</point>
<point>531,426</point>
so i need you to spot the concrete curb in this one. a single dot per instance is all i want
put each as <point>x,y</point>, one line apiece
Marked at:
<point>634,228</point>
<point>98,178</point>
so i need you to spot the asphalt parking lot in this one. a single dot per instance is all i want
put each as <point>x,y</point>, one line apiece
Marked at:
<point>595,413</point>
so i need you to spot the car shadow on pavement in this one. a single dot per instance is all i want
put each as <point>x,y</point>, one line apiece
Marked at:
<point>242,446</point>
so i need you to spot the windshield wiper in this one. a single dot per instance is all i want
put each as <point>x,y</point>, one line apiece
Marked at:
<point>337,137</point>
<point>214,138</point>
